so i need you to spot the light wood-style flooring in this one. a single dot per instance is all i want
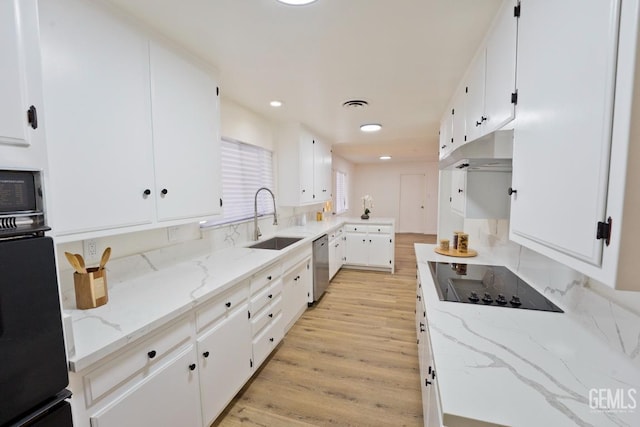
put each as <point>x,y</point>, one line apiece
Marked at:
<point>350,360</point>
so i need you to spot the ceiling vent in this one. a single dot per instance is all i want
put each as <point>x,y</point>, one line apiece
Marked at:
<point>355,104</point>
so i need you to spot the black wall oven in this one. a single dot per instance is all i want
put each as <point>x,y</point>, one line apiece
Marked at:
<point>33,364</point>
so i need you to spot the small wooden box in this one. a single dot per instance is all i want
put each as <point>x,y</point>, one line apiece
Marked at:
<point>91,288</point>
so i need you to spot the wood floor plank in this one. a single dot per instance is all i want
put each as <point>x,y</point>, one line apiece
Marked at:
<point>350,360</point>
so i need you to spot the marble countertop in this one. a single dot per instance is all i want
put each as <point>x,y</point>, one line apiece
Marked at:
<point>505,366</point>
<point>146,291</point>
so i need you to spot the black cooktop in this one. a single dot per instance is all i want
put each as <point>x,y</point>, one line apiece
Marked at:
<point>486,285</point>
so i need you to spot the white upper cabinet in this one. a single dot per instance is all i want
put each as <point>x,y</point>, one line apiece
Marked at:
<point>446,131</point>
<point>97,98</point>
<point>186,140</point>
<point>304,167</point>
<point>562,138</point>
<point>21,133</point>
<point>132,127</point>
<point>500,71</point>
<point>483,102</point>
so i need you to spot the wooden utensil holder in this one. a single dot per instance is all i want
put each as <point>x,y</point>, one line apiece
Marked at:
<point>91,288</point>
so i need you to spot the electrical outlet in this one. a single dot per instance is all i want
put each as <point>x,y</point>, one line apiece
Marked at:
<point>90,249</point>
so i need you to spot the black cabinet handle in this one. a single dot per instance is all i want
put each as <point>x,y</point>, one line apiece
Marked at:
<point>511,191</point>
<point>270,295</point>
<point>268,277</point>
<point>152,354</point>
<point>363,240</point>
<point>164,191</point>
<point>228,304</point>
<point>205,354</point>
<point>271,339</point>
<point>443,147</point>
<point>146,193</point>
<point>483,119</point>
<point>427,382</point>
<point>192,367</point>
<point>459,190</point>
<point>32,117</point>
<point>478,124</point>
<point>271,315</point>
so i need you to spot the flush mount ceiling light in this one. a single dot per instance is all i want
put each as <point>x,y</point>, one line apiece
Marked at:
<point>296,2</point>
<point>385,157</point>
<point>276,103</point>
<point>371,127</point>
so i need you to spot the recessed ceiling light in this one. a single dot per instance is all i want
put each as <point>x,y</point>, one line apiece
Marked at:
<point>371,127</point>
<point>276,103</point>
<point>296,2</point>
<point>385,157</point>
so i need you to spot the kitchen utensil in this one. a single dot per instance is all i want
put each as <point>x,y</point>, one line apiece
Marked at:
<point>105,258</point>
<point>83,267</point>
<point>74,262</point>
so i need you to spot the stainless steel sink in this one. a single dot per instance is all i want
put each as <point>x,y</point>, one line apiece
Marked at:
<point>276,243</point>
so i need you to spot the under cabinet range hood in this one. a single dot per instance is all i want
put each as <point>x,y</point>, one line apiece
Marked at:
<point>492,152</point>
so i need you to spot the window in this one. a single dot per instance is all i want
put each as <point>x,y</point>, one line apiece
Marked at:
<point>245,168</point>
<point>342,195</point>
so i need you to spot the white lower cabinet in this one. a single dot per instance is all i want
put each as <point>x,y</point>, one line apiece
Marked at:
<point>265,307</point>
<point>430,395</point>
<point>296,285</point>
<point>224,356</point>
<point>336,251</point>
<point>168,397</point>
<point>369,246</point>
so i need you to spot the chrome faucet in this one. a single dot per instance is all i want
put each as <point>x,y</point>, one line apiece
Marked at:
<point>256,229</point>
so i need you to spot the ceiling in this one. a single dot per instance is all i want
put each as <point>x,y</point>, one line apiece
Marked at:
<point>404,57</point>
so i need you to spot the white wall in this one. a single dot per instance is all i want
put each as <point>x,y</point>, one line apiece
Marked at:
<point>241,124</point>
<point>382,182</point>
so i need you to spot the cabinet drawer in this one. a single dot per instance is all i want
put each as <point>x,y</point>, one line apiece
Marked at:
<point>142,357</point>
<point>355,228</point>
<point>222,305</point>
<point>265,277</point>
<point>259,322</point>
<point>380,229</point>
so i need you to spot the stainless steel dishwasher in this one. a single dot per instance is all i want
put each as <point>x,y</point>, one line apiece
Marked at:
<point>320,266</point>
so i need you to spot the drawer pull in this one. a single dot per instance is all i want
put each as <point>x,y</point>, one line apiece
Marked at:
<point>270,314</point>
<point>192,367</point>
<point>271,339</point>
<point>268,277</point>
<point>270,296</point>
<point>228,304</point>
<point>205,354</point>
<point>152,354</point>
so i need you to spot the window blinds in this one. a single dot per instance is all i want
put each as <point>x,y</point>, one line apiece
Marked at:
<point>245,168</point>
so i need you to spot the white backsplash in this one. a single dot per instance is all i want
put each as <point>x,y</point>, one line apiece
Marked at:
<point>613,316</point>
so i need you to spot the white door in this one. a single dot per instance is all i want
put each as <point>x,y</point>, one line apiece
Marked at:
<point>169,397</point>
<point>412,203</point>
<point>564,115</point>
<point>224,357</point>
<point>97,99</point>
<point>186,137</point>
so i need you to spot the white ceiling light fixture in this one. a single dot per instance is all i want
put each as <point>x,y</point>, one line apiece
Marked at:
<point>276,103</point>
<point>296,2</point>
<point>385,157</point>
<point>371,127</point>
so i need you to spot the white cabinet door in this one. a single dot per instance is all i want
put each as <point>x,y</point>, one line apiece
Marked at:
<point>356,248</point>
<point>322,171</point>
<point>475,94</point>
<point>13,86</point>
<point>379,250</point>
<point>22,140</point>
<point>563,132</point>
<point>500,80</point>
<point>224,356</point>
<point>333,258</point>
<point>458,191</point>
<point>186,139</point>
<point>97,99</point>
<point>169,397</point>
<point>306,166</point>
<point>446,132</point>
<point>459,128</point>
